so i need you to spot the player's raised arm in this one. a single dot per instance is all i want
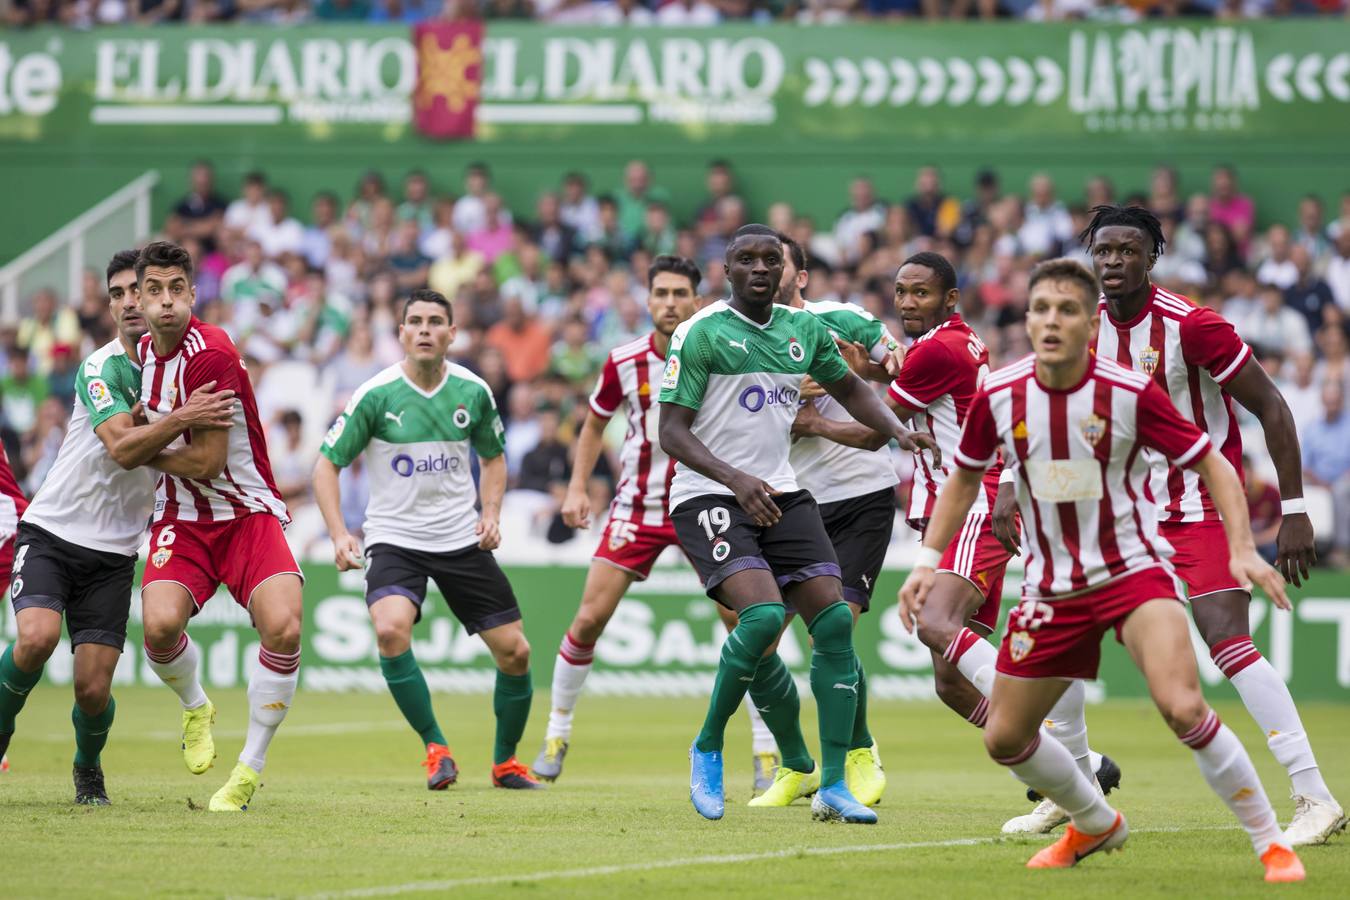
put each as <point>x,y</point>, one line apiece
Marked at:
<point>810,422</point>
<point>679,443</point>
<point>864,405</point>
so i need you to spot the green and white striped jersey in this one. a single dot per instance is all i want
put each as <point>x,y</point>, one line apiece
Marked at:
<point>830,471</point>
<point>744,379</point>
<point>417,455</point>
<point>87,499</point>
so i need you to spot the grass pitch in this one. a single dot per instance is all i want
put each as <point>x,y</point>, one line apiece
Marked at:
<point>344,811</point>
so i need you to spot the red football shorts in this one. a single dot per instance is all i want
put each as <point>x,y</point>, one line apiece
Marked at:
<point>977,556</point>
<point>1062,638</point>
<point>238,553</point>
<point>7,560</point>
<point>634,547</point>
<point>1200,556</point>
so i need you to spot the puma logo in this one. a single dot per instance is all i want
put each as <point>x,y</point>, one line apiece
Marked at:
<point>763,709</point>
<point>743,344</point>
<point>747,678</point>
<point>867,582</point>
<point>397,419</point>
<point>847,687</point>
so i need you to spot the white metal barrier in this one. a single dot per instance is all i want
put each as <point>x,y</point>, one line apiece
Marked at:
<point>58,261</point>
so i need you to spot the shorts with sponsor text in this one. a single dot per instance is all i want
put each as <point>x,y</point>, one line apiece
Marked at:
<point>474,586</point>
<point>91,588</point>
<point>633,546</point>
<point>860,529</point>
<point>201,556</point>
<point>1200,556</point>
<point>1062,638</point>
<point>721,539</point>
<point>978,557</point>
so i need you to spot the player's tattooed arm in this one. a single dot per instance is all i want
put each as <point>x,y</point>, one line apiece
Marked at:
<point>1253,388</point>
<point>203,458</point>
<point>1245,563</point>
<point>576,508</point>
<point>679,443</point>
<point>491,489</point>
<point>131,444</point>
<point>864,405</point>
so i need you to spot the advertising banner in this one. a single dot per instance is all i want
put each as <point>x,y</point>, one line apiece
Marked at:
<point>666,637</point>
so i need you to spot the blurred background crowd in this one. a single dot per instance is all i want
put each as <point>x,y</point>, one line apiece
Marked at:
<point>675,13</point>
<point>310,289</point>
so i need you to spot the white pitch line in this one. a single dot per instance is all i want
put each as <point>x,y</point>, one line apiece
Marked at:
<point>731,859</point>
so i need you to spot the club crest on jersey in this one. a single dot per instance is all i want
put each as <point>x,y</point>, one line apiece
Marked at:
<point>1019,645</point>
<point>99,395</point>
<point>795,350</point>
<point>721,550</point>
<point>460,417</point>
<point>1148,360</point>
<point>161,557</point>
<point>1094,426</point>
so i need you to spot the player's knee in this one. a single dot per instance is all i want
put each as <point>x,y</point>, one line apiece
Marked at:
<point>393,637</point>
<point>513,657</point>
<point>936,631</point>
<point>588,625</point>
<point>1183,711</point>
<point>37,642</point>
<point>1003,743</point>
<point>162,631</point>
<point>284,636</point>
<point>832,629</point>
<point>91,693</point>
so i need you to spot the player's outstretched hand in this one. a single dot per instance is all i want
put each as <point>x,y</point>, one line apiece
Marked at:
<point>894,360</point>
<point>576,509</point>
<point>1296,548</point>
<point>489,534</point>
<point>918,440</point>
<point>347,552</point>
<point>1249,569</point>
<point>855,354</point>
<point>805,423</point>
<point>1005,524</point>
<point>208,408</point>
<point>756,498</point>
<point>913,595</point>
<point>809,389</point>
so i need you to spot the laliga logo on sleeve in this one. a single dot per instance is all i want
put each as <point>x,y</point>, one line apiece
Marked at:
<point>99,395</point>
<point>672,375</point>
<point>460,417</point>
<point>795,350</point>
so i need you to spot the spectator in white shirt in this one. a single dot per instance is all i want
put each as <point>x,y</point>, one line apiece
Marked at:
<point>685,13</point>
<point>1046,224</point>
<point>1338,270</point>
<point>317,242</point>
<point>1277,268</point>
<point>470,211</point>
<point>864,215</point>
<point>580,210</point>
<point>251,209</point>
<point>282,233</point>
<point>1299,389</point>
<point>1274,326</point>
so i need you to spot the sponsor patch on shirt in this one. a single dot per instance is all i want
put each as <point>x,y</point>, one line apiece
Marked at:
<point>99,395</point>
<point>336,431</point>
<point>671,378</point>
<point>1065,480</point>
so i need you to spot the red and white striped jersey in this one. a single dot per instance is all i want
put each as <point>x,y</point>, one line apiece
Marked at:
<point>1081,469</point>
<point>1191,352</point>
<point>631,378</point>
<point>245,485</point>
<point>12,500</point>
<point>941,374</point>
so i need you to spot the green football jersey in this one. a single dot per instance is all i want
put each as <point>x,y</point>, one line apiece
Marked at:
<point>830,471</point>
<point>417,455</point>
<point>86,498</point>
<point>743,378</point>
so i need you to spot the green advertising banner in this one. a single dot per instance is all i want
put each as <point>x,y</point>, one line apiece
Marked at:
<point>314,106</point>
<point>772,84</point>
<point>666,637</point>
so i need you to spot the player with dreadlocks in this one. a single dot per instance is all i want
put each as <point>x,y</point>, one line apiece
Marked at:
<point>1198,358</point>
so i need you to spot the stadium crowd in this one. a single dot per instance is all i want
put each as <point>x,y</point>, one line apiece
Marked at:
<point>675,13</point>
<point>541,294</point>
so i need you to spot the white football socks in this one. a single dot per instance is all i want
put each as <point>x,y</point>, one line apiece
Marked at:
<point>180,668</point>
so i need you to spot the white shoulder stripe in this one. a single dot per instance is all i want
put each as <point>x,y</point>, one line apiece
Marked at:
<point>1236,364</point>
<point>1173,305</point>
<point>1113,371</point>
<point>1190,455</point>
<point>1010,373</point>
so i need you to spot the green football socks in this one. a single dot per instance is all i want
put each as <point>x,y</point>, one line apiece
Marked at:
<point>410,692</point>
<point>91,733</point>
<point>14,687</point>
<point>511,702</point>
<point>834,681</point>
<point>774,694</point>
<point>741,654</point>
<point>862,737</point>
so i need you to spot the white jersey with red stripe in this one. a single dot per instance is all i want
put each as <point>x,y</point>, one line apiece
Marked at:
<point>631,380</point>
<point>206,354</point>
<point>941,374</point>
<point>1192,352</point>
<point>1081,469</point>
<point>12,501</point>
